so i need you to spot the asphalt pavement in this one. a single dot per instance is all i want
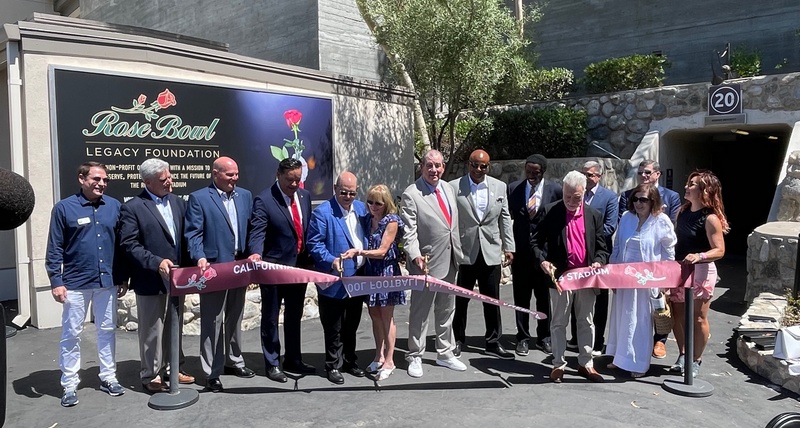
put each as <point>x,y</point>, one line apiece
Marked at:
<point>492,392</point>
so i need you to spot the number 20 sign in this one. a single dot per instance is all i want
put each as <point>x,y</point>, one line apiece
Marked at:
<point>724,99</point>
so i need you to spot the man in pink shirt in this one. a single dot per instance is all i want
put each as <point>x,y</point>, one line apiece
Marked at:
<point>569,234</point>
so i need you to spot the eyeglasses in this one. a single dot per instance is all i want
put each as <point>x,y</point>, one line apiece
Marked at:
<point>591,174</point>
<point>376,203</point>
<point>98,179</point>
<point>480,166</point>
<point>642,200</point>
<point>646,172</point>
<point>346,193</point>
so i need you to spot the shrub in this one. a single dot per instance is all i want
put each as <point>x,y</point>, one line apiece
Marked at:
<point>624,73</point>
<point>745,63</point>
<point>550,84</point>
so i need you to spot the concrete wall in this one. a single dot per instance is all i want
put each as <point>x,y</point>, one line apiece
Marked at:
<point>17,10</point>
<point>346,45</point>
<point>575,33</point>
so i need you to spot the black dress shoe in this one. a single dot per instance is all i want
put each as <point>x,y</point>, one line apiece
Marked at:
<point>522,348</point>
<point>545,346</point>
<point>299,367</point>
<point>275,373</point>
<point>335,377</point>
<point>498,351</point>
<point>214,385</point>
<point>457,350</point>
<point>354,370</point>
<point>239,372</point>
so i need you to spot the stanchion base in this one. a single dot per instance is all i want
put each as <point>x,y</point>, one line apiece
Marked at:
<point>185,397</point>
<point>698,388</point>
<point>10,331</point>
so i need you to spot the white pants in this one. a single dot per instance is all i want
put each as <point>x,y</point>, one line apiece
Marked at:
<point>104,305</point>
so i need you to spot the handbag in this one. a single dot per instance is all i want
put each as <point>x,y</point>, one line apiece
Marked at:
<point>787,344</point>
<point>662,317</point>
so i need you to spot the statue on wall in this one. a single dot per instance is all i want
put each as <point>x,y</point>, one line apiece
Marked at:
<point>789,208</point>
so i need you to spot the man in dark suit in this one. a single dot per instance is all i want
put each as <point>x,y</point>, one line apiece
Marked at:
<point>216,232</point>
<point>648,173</point>
<point>151,234</point>
<point>335,227</point>
<point>569,234</point>
<point>525,197</point>
<point>605,201</point>
<point>278,235</point>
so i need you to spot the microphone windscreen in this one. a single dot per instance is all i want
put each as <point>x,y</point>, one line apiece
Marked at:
<point>16,199</point>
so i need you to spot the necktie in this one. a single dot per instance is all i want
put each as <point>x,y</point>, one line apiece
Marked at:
<point>230,207</point>
<point>298,226</point>
<point>443,206</point>
<point>587,197</point>
<point>166,212</point>
<point>532,202</point>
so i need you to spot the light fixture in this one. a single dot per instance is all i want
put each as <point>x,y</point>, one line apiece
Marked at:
<point>740,132</point>
<point>772,137</point>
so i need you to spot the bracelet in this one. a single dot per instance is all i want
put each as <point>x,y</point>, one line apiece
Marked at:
<point>703,256</point>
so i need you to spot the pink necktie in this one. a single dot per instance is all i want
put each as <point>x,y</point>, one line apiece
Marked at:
<point>298,226</point>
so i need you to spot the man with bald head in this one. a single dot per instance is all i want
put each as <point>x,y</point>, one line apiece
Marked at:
<point>216,232</point>
<point>334,228</point>
<point>484,223</point>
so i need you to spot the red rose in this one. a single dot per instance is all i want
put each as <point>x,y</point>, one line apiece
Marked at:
<point>166,99</point>
<point>209,273</point>
<point>292,117</point>
<point>142,98</point>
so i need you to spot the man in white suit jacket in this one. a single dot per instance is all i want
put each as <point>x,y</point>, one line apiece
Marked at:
<point>485,226</point>
<point>431,218</point>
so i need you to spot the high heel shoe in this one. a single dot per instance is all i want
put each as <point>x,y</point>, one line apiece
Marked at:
<point>374,367</point>
<point>384,374</point>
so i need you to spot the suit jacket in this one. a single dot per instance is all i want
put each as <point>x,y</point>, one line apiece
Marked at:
<point>670,201</point>
<point>490,235</point>
<point>426,226</point>
<point>206,219</point>
<point>146,241</point>
<point>272,232</point>
<point>328,237</point>
<point>549,237</point>
<point>605,201</point>
<point>518,207</point>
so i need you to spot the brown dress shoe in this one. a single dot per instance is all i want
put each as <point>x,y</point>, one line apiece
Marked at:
<point>185,378</point>
<point>591,374</point>
<point>557,374</point>
<point>154,386</point>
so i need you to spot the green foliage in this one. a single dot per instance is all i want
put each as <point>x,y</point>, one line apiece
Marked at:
<point>540,84</point>
<point>624,73</point>
<point>557,132</point>
<point>745,62</point>
<point>791,314</point>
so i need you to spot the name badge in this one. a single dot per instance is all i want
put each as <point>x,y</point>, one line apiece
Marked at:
<point>84,220</point>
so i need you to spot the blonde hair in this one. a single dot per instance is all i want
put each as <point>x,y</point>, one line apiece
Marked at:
<point>380,192</point>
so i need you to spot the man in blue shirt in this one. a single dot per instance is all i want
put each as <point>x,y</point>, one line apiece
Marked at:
<point>81,266</point>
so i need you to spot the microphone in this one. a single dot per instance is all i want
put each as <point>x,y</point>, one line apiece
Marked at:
<point>16,199</point>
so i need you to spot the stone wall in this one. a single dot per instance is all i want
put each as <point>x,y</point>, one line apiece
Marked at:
<point>771,258</point>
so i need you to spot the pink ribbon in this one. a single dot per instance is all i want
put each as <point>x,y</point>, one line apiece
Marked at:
<point>664,274</point>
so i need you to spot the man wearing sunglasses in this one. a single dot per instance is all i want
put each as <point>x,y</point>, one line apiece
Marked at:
<point>334,228</point>
<point>485,230</point>
<point>648,173</point>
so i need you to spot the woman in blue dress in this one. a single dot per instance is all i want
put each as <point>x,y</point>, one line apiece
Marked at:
<point>384,230</point>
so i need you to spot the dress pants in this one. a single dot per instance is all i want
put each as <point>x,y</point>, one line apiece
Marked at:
<point>488,279</point>
<point>155,320</point>
<point>292,296</point>
<point>529,280</point>
<point>443,310</point>
<point>600,320</point>
<point>221,330</point>
<point>561,304</point>
<point>104,307</point>
<point>340,319</point>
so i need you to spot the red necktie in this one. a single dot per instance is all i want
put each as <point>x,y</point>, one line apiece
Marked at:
<point>298,226</point>
<point>443,206</point>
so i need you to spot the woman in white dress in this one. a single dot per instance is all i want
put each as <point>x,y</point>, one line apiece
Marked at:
<point>645,234</point>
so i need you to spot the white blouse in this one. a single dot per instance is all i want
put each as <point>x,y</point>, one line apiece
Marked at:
<point>657,236</point>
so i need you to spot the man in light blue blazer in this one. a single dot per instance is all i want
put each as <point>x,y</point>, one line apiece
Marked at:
<point>335,227</point>
<point>216,232</point>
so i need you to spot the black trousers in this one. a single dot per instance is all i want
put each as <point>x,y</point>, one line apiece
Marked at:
<point>293,296</point>
<point>529,280</point>
<point>340,319</point>
<point>600,320</point>
<point>488,279</point>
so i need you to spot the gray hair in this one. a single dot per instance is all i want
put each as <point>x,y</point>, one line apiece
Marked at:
<point>593,164</point>
<point>430,154</point>
<point>575,180</point>
<point>644,163</point>
<point>152,168</point>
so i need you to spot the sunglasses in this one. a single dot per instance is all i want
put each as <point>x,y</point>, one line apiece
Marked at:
<point>646,172</point>
<point>98,179</point>
<point>376,203</point>
<point>346,193</point>
<point>591,174</point>
<point>480,166</point>
<point>642,200</point>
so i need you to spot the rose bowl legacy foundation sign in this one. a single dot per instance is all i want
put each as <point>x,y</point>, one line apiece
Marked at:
<point>121,121</point>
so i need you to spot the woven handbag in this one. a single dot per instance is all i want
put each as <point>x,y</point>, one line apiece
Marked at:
<point>662,319</point>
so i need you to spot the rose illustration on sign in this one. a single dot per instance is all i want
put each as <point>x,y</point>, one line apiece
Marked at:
<point>641,278</point>
<point>199,282</point>
<point>165,99</point>
<point>293,118</point>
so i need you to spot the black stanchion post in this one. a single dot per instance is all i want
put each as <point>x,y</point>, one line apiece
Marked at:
<point>688,386</point>
<point>796,287</point>
<point>4,367</point>
<point>176,398</point>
